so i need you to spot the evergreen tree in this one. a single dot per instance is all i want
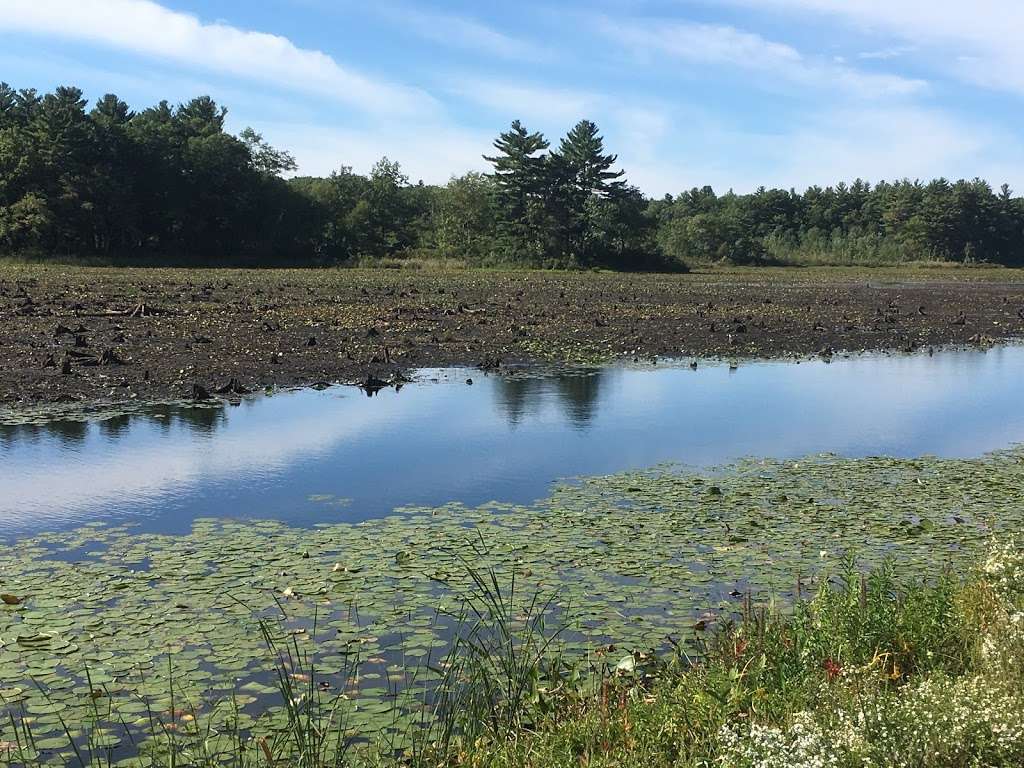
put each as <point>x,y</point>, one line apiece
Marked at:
<point>25,216</point>
<point>112,177</point>
<point>60,136</point>
<point>520,177</point>
<point>584,186</point>
<point>588,170</point>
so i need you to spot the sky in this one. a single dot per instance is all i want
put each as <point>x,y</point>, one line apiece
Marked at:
<point>732,93</point>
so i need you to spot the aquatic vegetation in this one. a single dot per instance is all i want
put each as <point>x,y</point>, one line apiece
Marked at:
<point>109,627</point>
<point>811,690</point>
<point>973,715</point>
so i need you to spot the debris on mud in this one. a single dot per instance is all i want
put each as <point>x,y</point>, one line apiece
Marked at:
<point>259,329</point>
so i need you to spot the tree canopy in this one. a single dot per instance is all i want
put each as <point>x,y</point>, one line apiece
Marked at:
<point>170,184</point>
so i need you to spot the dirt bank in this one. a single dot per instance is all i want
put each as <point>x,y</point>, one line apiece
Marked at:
<point>76,334</point>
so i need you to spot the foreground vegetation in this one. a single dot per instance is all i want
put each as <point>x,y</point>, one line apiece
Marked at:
<point>873,670</point>
<point>169,185</point>
<point>614,623</point>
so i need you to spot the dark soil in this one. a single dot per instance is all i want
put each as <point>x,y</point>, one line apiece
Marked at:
<point>75,334</point>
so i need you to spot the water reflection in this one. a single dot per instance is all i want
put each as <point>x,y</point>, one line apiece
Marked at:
<point>67,433</point>
<point>514,397</point>
<point>503,438</point>
<point>579,396</point>
<point>115,427</point>
<point>518,397</point>
<point>167,418</point>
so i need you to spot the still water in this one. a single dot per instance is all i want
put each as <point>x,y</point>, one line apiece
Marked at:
<point>309,456</point>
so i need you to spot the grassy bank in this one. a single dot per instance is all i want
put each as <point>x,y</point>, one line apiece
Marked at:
<point>874,669</point>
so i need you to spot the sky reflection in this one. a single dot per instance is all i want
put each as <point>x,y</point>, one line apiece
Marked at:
<point>505,439</point>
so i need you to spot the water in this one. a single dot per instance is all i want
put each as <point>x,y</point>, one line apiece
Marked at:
<point>309,456</point>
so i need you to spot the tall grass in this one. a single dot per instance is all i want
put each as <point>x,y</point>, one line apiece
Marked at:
<point>504,668</point>
<point>871,670</point>
<point>315,732</point>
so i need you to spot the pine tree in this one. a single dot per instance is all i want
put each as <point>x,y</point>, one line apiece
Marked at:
<point>520,176</point>
<point>111,177</point>
<point>61,134</point>
<point>589,169</point>
<point>585,186</point>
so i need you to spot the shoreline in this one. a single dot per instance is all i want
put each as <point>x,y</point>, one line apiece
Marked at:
<point>102,409</point>
<point>91,336</point>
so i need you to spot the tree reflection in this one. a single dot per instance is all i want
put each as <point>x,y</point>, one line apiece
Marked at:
<point>115,427</point>
<point>517,396</point>
<point>205,419</point>
<point>69,432</point>
<point>10,434</point>
<point>577,394</point>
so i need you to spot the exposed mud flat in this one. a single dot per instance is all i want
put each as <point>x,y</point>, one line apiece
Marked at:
<point>87,335</point>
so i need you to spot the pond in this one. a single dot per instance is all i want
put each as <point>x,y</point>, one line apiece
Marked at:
<point>307,456</point>
<point>157,552</point>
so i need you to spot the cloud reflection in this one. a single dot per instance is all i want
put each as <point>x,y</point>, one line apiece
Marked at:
<point>503,438</point>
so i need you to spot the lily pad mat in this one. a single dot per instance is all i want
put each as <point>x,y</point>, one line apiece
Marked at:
<point>146,623</point>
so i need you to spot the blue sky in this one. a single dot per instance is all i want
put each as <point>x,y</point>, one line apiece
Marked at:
<point>733,93</point>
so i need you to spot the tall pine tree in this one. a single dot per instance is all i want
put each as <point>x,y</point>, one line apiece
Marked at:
<point>520,177</point>
<point>589,169</point>
<point>585,186</point>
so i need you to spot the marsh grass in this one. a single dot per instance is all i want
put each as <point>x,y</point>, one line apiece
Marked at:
<point>178,732</point>
<point>504,667</point>
<point>872,669</point>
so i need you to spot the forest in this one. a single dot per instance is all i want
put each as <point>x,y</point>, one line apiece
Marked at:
<point>170,184</point>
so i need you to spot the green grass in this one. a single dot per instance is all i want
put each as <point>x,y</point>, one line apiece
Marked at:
<point>872,670</point>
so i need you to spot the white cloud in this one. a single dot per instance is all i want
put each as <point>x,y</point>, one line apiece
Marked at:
<point>728,46</point>
<point>550,106</point>
<point>432,153</point>
<point>711,43</point>
<point>885,54</point>
<point>889,143</point>
<point>557,109</point>
<point>640,129</point>
<point>829,146</point>
<point>149,29</point>
<point>979,41</point>
<point>449,29</point>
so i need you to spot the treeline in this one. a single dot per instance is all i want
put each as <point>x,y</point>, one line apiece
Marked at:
<point>169,184</point>
<point>963,221</point>
<point>165,181</point>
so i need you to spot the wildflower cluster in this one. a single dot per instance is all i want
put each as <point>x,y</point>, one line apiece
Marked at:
<point>930,720</point>
<point>1004,572</point>
<point>803,744</point>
